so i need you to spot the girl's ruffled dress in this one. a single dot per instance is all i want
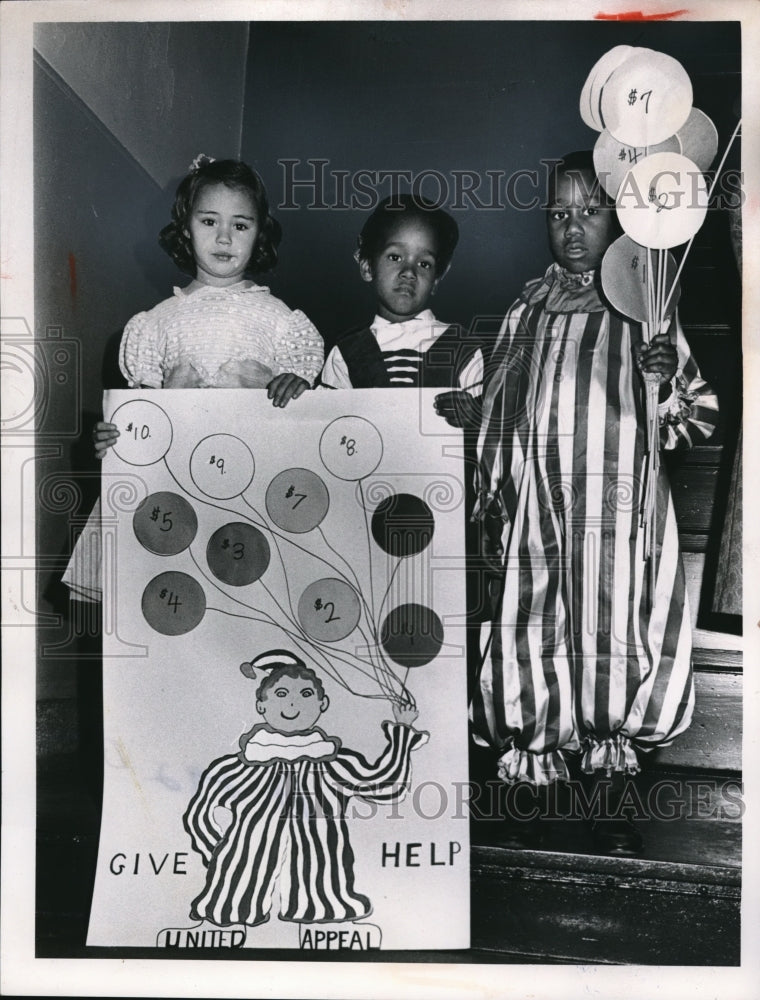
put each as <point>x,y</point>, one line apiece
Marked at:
<point>240,336</point>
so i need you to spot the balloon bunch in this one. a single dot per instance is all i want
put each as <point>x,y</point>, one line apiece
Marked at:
<point>651,156</point>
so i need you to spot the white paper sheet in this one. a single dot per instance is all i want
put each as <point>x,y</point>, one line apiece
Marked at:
<point>231,528</point>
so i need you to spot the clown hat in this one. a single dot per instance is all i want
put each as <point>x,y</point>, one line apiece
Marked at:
<point>269,660</point>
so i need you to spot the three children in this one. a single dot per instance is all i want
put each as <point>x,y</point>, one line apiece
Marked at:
<point>582,660</point>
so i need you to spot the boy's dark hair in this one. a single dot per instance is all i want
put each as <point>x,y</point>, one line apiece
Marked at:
<point>233,174</point>
<point>404,206</point>
<point>580,166</point>
<point>289,670</point>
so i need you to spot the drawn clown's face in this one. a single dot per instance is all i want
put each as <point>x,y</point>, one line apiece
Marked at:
<point>292,705</point>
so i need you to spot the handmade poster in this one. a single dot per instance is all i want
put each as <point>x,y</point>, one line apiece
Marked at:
<point>284,674</point>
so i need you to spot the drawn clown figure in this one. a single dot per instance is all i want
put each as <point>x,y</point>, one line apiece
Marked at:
<point>276,810</point>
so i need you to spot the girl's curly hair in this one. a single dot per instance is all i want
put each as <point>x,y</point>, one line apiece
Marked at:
<point>174,238</point>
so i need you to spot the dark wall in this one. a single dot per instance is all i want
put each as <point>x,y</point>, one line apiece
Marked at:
<point>96,263</point>
<point>445,96</point>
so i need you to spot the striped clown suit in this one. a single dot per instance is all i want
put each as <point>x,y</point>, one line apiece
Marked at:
<point>276,811</point>
<point>580,656</point>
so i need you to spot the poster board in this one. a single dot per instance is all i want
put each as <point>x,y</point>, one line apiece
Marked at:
<point>27,972</point>
<point>331,531</point>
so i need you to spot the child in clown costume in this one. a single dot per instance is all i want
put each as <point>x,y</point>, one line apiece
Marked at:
<point>582,659</point>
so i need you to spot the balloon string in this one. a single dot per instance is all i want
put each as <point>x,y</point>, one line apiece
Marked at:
<point>655,306</point>
<point>709,196</point>
<point>650,293</point>
<point>661,290</point>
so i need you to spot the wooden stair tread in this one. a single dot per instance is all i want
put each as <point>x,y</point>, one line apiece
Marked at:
<point>707,660</point>
<point>506,864</point>
<point>699,851</point>
<point>714,739</point>
<point>691,822</point>
<point>613,914</point>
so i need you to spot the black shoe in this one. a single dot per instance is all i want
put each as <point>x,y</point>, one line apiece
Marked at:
<point>519,835</point>
<point>617,837</point>
<point>520,827</point>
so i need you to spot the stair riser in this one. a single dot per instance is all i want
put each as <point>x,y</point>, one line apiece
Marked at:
<point>605,918</point>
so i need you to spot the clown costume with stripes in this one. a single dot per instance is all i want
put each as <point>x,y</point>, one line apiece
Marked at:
<point>580,656</point>
<point>275,814</point>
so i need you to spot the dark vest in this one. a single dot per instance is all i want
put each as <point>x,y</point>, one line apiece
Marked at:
<point>439,366</point>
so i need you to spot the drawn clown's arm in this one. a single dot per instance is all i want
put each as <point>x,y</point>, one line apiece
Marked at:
<point>218,787</point>
<point>387,779</point>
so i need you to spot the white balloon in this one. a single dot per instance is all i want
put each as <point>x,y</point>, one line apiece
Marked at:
<point>592,88</point>
<point>699,139</point>
<point>628,273</point>
<point>613,159</point>
<point>662,200</point>
<point>647,99</point>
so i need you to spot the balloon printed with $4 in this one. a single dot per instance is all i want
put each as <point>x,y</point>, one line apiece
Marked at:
<point>662,201</point>
<point>613,159</point>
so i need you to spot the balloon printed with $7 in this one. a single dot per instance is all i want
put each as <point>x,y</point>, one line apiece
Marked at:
<point>640,101</point>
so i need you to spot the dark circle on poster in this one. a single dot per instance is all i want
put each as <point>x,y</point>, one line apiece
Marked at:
<point>297,500</point>
<point>173,603</point>
<point>412,635</point>
<point>165,524</point>
<point>238,554</point>
<point>402,525</point>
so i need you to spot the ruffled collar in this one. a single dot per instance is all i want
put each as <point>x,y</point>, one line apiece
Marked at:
<point>563,292</point>
<point>196,290</point>
<point>264,745</point>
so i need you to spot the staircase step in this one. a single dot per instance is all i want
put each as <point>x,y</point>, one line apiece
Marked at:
<point>686,818</point>
<point>603,910</point>
<point>714,739</point>
<point>677,904</point>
